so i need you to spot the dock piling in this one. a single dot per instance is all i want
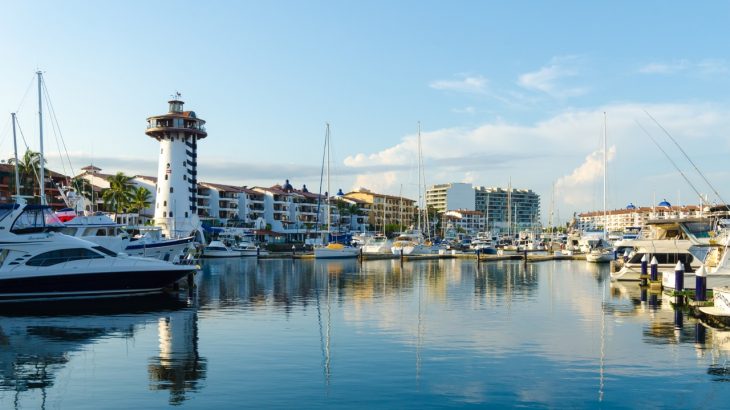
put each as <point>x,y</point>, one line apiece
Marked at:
<point>644,271</point>
<point>654,269</point>
<point>701,284</point>
<point>679,277</point>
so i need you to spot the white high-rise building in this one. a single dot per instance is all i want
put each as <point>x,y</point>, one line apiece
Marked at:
<point>178,133</point>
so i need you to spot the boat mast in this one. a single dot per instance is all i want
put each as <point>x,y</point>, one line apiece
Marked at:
<point>40,128</point>
<point>15,148</point>
<point>420,195</point>
<point>327,147</point>
<point>605,219</point>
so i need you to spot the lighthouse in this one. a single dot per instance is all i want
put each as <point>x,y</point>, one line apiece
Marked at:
<point>178,133</point>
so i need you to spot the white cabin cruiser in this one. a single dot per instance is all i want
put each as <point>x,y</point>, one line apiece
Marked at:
<point>377,244</point>
<point>411,243</point>
<point>101,229</point>
<point>217,249</point>
<point>37,262</point>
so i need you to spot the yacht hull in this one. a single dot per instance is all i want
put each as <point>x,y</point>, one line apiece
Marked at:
<point>324,253</point>
<point>88,285</point>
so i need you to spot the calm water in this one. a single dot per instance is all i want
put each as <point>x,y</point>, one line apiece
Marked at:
<point>310,334</point>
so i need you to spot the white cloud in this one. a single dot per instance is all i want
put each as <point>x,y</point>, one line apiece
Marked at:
<point>703,67</point>
<point>550,79</point>
<point>535,155</point>
<point>466,110</point>
<point>468,84</point>
<point>574,188</point>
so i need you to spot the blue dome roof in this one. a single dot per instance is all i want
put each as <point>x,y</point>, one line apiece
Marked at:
<point>630,206</point>
<point>304,188</point>
<point>340,193</point>
<point>665,204</point>
<point>287,186</point>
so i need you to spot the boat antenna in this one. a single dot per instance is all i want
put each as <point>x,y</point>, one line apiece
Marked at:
<point>689,159</point>
<point>670,160</point>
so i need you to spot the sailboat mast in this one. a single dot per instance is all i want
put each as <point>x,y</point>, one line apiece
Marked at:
<point>420,195</point>
<point>327,144</point>
<point>40,129</point>
<point>605,172</point>
<point>15,148</point>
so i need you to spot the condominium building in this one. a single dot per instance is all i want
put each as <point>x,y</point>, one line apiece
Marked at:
<point>454,195</point>
<point>384,209</point>
<point>508,209</point>
<point>617,220</point>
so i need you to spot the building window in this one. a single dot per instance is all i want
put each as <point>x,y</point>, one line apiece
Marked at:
<point>164,203</point>
<point>164,214</point>
<point>170,214</point>
<point>162,150</point>
<point>185,177</point>
<point>165,177</point>
<point>186,214</point>
<point>170,189</point>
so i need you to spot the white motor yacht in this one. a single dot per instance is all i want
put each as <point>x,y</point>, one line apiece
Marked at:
<point>411,243</point>
<point>335,250</point>
<point>101,229</point>
<point>377,244</point>
<point>37,262</point>
<point>217,249</point>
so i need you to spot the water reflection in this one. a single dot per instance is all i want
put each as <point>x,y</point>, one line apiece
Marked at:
<point>38,340</point>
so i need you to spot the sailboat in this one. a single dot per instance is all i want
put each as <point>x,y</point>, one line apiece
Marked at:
<point>602,253</point>
<point>331,250</point>
<point>412,242</point>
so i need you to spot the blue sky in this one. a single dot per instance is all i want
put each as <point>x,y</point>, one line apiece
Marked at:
<point>502,89</point>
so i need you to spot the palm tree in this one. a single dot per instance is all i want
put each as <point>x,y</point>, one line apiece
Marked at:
<point>28,170</point>
<point>140,199</point>
<point>118,194</point>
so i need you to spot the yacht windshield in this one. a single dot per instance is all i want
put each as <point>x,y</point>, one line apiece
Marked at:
<point>36,218</point>
<point>6,209</point>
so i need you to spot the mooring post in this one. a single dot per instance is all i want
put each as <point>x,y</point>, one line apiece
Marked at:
<point>654,269</point>
<point>679,277</point>
<point>701,284</point>
<point>644,271</point>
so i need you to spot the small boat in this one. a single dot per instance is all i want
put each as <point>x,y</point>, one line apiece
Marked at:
<point>332,250</point>
<point>600,256</point>
<point>483,244</point>
<point>217,249</point>
<point>376,245</point>
<point>335,251</point>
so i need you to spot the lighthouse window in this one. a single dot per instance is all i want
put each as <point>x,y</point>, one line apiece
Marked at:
<point>164,214</point>
<point>165,177</point>
<point>164,203</point>
<point>170,189</point>
<point>162,150</point>
<point>170,214</point>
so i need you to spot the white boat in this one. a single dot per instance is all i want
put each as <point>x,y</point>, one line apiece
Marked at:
<point>600,256</point>
<point>101,229</point>
<point>667,253</point>
<point>217,249</point>
<point>411,243</point>
<point>716,268</point>
<point>335,251</point>
<point>721,304</point>
<point>376,245</point>
<point>40,263</point>
<point>483,244</point>
<point>243,244</point>
<point>332,250</point>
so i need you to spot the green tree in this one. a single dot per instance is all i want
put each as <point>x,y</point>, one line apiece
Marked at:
<point>140,199</point>
<point>119,193</point>
<point>28,170</point>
